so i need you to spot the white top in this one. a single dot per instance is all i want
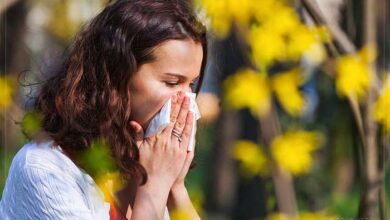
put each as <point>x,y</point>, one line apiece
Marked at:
<point>43,183</point>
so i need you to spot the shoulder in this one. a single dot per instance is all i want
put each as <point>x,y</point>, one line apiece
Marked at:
<point>39,163</point>
<point>43,155</point>
<point>41,183</point>
<point>39,193</point>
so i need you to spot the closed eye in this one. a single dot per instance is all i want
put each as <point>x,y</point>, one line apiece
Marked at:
<point>171,84</point>
<point>176,83</point>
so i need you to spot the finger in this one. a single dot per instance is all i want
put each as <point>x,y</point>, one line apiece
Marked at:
<point>186,135</point>
<point>175,108</point>
<point>138,132</point>
<point>181,118</point>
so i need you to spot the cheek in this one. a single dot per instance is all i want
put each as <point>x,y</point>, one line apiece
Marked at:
<point>149,102</point>
<point>158,99</point>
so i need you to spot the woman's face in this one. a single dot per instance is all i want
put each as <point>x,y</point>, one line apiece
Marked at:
<point>176,66</point>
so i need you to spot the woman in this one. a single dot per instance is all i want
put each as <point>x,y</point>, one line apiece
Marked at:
<point>121,69</point>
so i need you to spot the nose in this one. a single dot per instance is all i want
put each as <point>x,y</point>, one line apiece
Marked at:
<point>183,89</point>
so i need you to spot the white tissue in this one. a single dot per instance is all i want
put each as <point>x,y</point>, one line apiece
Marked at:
<point>162,119</point>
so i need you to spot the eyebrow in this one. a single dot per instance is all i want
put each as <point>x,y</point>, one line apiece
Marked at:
<point>181,76</point>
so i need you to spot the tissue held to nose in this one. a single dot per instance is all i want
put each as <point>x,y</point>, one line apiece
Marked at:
<point>162,119</point>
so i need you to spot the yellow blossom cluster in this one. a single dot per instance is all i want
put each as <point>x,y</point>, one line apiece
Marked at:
<point>248,89</point>
<point>286,86</point>
<point>252,159</point>
<point>273,36</point>
<point>382,108</point>
<point>110,183</point>
<point>293,150</point>
<point>6,91</point>
<point>353,74</point>
<point>287,41</point>
<point>302,216</point>
<point>252,90</point>
<point>179,214</point>
<point>224,12</point>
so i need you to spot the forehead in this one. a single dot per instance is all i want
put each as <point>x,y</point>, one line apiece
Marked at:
<point>179,56</point>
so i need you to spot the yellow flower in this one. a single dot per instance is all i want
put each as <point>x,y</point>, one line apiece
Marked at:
<point>316,53</point>
<point>218,11</point>
<point>179,214</point>
<point>353,76</point>
<point>382,106</point>
<point>248,89</point>
<point>240,10</point>
<point>286,86</point>
<point>292,150</point>
<point>275,37</point>
<point>322,33</point>
<point>368,53</point>
<point>302,216</point>
<point>268,46</point>
<point>6,91</point>
<point>283,22</point>
<point>300,41</point>
<point>321,215</point>
<point>221,26</point>
<point>110,183</point>
<point>262,9</point>
<point>278,216</point>
<point>253,161</point>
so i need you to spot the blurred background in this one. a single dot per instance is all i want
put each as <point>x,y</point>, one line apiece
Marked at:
<point>295,105</point>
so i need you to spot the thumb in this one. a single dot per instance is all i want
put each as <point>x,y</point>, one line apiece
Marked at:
<point>138,132</point>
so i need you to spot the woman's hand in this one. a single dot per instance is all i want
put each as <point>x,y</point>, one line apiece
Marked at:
<point>163,156</point>
<point>166,161</point>
<point>179,182</point>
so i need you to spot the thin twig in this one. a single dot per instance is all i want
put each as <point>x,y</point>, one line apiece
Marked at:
<point>338,35</point>
<point>370,199</point>
<point>358,116</point>
<point>284,186</point>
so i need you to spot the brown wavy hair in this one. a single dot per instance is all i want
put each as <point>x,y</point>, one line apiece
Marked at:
<point>88,96</point>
